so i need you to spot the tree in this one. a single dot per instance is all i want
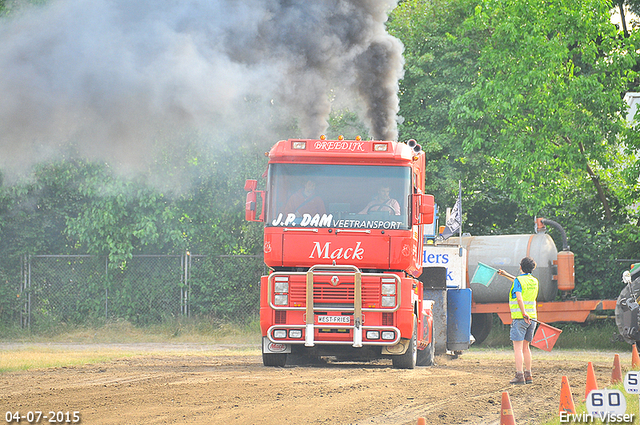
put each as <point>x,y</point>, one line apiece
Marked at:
<point>440,66</point>
<point>522,101</point>
<point>546,106</point>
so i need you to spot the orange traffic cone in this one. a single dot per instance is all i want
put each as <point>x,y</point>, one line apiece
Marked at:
<point>422,421</point>
<point>616,373</point>
<point>566,399</point>
<point>635,358</point>
<point>591,381</point>
<point>506,412</point>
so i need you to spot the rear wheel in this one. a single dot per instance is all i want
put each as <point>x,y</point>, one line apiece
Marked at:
<point>270,359</point>
<point>409,359</point>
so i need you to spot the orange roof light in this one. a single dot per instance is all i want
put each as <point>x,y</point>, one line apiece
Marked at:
<point>323,137</point>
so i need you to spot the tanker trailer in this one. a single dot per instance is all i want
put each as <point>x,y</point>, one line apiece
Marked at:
<point>554,271</point>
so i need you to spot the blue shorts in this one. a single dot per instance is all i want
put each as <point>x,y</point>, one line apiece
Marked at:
<point>520,331</point>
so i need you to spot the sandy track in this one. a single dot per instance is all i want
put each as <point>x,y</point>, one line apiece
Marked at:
<point>185,386</point>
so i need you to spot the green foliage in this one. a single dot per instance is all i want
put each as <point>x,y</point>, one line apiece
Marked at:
<point>440,66</point>
<point>595,335</point>
<point>191,199</point>
<point>546,106</point>
<point>346,123</point>
<point>519,100</point>
<point>227,287</point>
<point>523,103</point>
<point>210,197</point>
<point>121,217</point>
<point>10,8</point>
<point>145,293</point>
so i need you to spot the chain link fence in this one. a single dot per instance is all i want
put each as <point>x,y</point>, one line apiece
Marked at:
<point>82,289</point>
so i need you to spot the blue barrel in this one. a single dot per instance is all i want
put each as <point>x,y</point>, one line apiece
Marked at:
<point>458,319</point>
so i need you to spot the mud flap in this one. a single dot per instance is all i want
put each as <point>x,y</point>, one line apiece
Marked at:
<point>397,349</point>
<point>274,347</point>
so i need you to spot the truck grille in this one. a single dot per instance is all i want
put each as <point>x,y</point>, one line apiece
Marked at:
<point>343,293</point>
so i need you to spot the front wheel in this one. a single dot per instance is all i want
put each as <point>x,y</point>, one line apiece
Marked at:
<point>409,359</point>
<point>427,356</point>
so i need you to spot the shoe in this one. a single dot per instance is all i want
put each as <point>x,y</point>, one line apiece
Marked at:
<point>527,377</point>
<point>519,379</point>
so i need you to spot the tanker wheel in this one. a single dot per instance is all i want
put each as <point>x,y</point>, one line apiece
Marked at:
<point>409,359</point>
<point>481,326</point>
<point>627,311</point>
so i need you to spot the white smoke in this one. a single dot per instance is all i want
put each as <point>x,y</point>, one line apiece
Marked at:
<point>109,76</point>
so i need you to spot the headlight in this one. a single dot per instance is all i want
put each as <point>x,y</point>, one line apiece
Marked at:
<point>279,334</point>
<point>388,335</point>
<point>373,334</point>
<point>281,287</point>
<point>281,299</point>
<point>388,301</point>
<point>380,147</point>
<point>388,289</point>
<point>295,333</point>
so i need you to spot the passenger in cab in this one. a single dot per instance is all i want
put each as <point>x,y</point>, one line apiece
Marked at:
<point>305,201</point>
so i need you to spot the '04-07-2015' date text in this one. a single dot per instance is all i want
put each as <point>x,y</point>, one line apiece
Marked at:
<point>34,417</point>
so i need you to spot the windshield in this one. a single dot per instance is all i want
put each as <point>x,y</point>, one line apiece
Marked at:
<point>342,196</point>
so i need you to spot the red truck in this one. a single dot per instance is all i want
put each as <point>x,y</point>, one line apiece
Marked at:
<point>343,241</point>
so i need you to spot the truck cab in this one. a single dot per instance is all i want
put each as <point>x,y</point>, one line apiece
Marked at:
<point>343,242</point>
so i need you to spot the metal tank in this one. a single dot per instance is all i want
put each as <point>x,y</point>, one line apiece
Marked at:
<point>505,252</point>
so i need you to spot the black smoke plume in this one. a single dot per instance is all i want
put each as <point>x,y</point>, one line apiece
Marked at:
<point>108,76</point>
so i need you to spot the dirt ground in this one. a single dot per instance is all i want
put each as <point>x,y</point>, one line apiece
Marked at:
<point>201,386</point>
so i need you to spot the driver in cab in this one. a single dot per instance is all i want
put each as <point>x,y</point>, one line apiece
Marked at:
<point>382,202</point>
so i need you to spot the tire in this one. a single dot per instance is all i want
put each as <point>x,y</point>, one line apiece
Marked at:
<point>427,356</point>
<point>627,317</point>
<point>409,359</point>
<point>270,359</point>
<point>481,324</point>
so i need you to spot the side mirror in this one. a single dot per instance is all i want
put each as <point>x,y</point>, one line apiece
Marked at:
<point>250,207</point>
<point>427,203</point>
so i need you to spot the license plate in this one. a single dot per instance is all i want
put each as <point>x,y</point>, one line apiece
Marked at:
<point>334,319</point>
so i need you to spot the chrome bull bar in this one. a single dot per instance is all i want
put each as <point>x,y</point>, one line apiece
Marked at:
<point>357,309</point>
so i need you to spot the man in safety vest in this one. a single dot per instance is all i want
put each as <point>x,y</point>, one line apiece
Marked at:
<point>522,303</point>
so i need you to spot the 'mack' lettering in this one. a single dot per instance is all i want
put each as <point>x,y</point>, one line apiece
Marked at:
<point>325,252</point>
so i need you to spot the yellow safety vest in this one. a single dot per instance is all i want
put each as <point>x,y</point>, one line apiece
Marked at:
<point>529,294</point>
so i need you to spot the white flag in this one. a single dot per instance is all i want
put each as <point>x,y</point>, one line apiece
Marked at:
<point>455,219</point>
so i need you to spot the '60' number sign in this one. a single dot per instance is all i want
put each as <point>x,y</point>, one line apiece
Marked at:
<point>605,403</point>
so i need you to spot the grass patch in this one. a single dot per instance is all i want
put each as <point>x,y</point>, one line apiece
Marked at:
<point>581,409</point>
<point>28,358</point>
<point>183,330</point>
<point>71,345</point>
